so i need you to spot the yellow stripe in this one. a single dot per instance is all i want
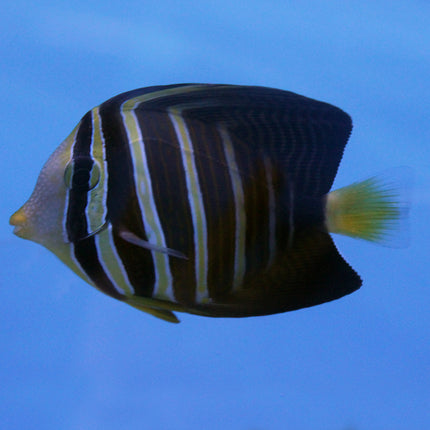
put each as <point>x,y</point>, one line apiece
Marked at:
<point>163,288</point>
<point>111,263</point>
<point>108,257</point>
<point>240,238</point>
<point>96,207</point>
<point>196,203</point>
<point>132,103</point>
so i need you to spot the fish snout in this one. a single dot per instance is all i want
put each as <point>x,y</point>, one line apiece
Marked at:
<point>19,220</point>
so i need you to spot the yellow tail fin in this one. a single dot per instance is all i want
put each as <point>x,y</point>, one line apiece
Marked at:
<point>374,209</point>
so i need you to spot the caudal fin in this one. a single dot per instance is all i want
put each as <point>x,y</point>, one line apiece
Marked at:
<point>375,209</point>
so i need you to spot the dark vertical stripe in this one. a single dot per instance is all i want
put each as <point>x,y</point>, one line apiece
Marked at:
<point>76,222</point>
<point>123,210</point>
<point>86,254</point>
<point>170,194</point>
<point>77,229</point>
<point>219,204</point>
<point>256,198</point>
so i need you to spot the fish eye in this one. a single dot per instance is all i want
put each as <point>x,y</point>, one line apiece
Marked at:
<point>82,173</point>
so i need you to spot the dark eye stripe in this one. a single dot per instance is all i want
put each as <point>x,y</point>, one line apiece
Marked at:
<point>84,247</point>
<point>76,222</point>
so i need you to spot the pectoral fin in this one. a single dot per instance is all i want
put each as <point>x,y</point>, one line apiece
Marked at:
<point>135,240</point>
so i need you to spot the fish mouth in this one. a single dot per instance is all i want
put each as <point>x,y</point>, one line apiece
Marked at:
<point>16,231</point>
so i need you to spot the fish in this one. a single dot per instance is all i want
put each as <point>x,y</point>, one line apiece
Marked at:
<point>209,199</point>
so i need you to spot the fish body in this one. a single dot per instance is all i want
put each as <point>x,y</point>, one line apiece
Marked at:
<point>207,199</point>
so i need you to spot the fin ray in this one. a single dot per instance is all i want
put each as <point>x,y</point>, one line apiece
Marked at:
<point>375,209</point>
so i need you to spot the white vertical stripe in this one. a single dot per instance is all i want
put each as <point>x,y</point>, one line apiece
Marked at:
<point>272,223</point>
<point>163,288</point>
<point>196,204</point>
<point>240,216</point>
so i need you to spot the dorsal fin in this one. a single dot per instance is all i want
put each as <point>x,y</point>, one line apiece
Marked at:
<point>305,138</point>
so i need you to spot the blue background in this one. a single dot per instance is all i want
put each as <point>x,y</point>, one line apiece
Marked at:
<point>72,358</point>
